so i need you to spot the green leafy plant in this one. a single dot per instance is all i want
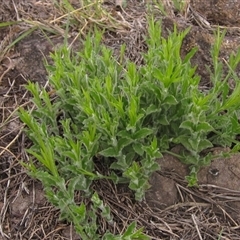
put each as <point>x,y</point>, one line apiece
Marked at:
<point>125,116</point>
<point>196,119</point>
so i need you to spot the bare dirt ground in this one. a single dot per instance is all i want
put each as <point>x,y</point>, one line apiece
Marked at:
<point>171,210</point>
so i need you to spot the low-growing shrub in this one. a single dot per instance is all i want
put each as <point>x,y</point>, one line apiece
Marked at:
<point>125,116</point>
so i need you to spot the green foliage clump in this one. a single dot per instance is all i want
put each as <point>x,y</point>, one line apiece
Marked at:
<point>125,116</point>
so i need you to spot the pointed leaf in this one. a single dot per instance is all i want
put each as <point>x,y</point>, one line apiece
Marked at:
<point>137,147</point>
<point>204,144</point>
<point>144,132</point>
<point>152,109</point>
<point>171,100</point>
<point>124,134</point>
<point>183,139</point>
<point>204,127</point>
<point>130,230</point>
<point>109,152</point>
<point>163,120</point>
<point>123,142</point>
<point>187,125</point>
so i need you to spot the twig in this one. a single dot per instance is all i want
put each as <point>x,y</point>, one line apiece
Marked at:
<point>196,226</point>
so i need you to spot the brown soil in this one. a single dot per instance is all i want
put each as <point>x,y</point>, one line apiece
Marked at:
<point>171,210</point>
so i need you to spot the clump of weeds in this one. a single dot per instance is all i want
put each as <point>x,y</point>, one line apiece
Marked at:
<point>126,116</point>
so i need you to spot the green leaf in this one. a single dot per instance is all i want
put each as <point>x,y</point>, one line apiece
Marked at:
<point>80,211</point>
<point>187,125</point>
<point>130,230</point>
<point>137,147</point>
<point>233,99</point>
<point>109,152</point>
<point>163,120</point>
<point>236,148</point>
<point>235,124</point>
<point>204,127</point>
<point>171,100</point>
<point>132,74</point>
<point>110,236</point>
<point>204,144</point>
<point>47,179</point>
<point>192,179</point>
<point>183,139</point>
<point>121,163</point>
<point>152,151</point>
<point>123,142</point>
<point>46,158</point>
<point>158,74</point>
<point>153,109</point>
<point>6,24</point>
<point>142,133</point>
<point>124,134</point>
<point>190,55</point>
<point>132,112</point>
